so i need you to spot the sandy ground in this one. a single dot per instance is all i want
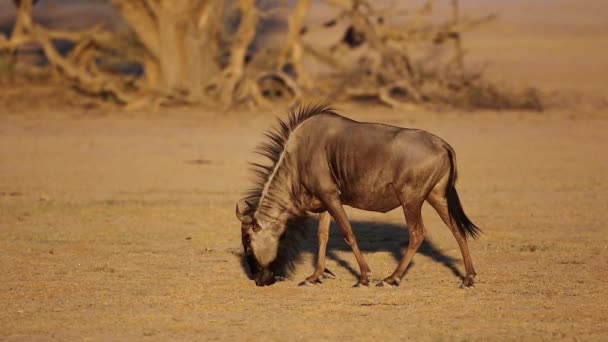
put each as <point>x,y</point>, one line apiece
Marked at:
<point>122,226</point>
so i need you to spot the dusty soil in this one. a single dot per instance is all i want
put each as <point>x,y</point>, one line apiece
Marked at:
<point>122,226</point>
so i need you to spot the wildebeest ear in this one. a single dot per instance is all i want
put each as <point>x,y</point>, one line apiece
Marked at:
<point>240,214</point>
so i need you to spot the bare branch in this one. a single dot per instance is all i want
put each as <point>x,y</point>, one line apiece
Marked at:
<point>234,72</point>
<point>293,51</point>
<point>94,84</point>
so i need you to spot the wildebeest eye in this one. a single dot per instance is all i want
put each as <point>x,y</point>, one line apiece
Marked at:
<point>256,228</point>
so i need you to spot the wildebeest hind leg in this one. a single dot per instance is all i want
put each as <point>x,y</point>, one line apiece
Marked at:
<point>413,218</point>
<point>438,200</point>
<point>320,270</point>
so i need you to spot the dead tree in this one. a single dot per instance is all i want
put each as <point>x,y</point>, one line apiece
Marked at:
<point>191,53</point>
<point>388,69</point>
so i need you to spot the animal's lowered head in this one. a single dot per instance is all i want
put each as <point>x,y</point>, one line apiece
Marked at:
<point>272,220</point>
<point>260,244</point>
<point>271,246</point>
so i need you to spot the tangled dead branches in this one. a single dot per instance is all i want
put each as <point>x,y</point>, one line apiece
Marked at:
<point>208,51</point>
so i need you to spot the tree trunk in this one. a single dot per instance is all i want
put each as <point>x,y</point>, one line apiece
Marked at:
<point>202,48</point>
<point>172,55</point>
<point>178,37</point>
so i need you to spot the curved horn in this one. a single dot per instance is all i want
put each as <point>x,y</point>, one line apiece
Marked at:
<point>242,217</point>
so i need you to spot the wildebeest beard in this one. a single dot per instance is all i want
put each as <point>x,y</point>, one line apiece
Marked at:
<point>289,251</point>
<point>290,246</point>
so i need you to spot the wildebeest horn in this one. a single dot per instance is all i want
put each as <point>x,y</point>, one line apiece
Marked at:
<point>247,219</point>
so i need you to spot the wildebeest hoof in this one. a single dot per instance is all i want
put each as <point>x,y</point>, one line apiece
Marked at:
<point>388,283</point>
<point>362,283</point>
<point>467,287</point>
<point>305,283</point>
<point>308,282</point>
<point>327,274</point>
<point>467,282</point>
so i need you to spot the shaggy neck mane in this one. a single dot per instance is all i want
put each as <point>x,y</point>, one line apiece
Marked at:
<point>273,149</point>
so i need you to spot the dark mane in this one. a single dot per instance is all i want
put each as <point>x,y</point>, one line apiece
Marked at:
<point>273,147</point>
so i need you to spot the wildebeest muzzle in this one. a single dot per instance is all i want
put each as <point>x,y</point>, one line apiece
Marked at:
<point>264,277</point>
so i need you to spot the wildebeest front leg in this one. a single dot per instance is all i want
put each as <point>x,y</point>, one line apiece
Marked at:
<point>334,207</point>
<point>413,219</point>
<point>320,270</point>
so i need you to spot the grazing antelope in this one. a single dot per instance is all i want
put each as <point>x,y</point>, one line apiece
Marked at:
<point>321,161</point>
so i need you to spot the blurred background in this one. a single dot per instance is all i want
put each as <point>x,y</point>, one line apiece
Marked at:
<point>461,54</point>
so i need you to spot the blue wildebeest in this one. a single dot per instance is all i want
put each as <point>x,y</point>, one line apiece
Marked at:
<point>321,161</point>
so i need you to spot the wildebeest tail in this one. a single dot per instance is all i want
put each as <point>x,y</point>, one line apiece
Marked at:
<point>457,214</point>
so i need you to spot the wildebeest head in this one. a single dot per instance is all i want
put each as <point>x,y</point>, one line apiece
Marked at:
<point>260,245</point>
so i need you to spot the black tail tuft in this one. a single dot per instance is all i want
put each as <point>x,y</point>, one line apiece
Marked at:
<point>464,224</point>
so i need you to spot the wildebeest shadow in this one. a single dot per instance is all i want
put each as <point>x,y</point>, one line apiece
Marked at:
<point>371,237</point>
<point>376,237</point>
